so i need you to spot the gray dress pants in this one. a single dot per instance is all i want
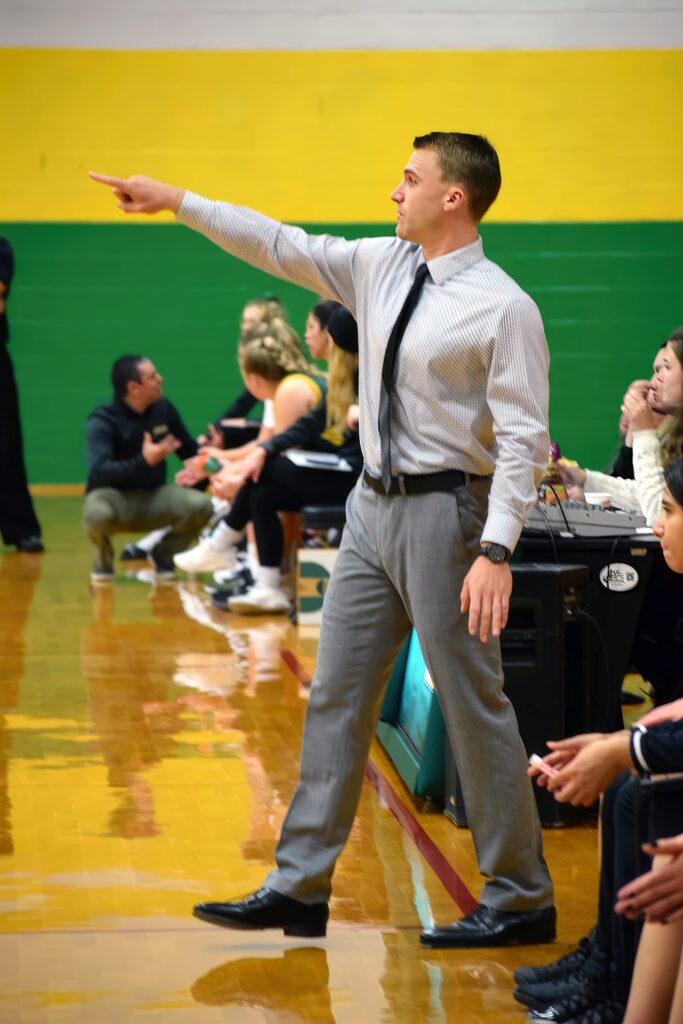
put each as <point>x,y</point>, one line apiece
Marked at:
<point>402,561</point>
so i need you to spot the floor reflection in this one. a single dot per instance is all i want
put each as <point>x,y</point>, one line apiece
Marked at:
<point>149,747</point>
<point>19,574</point>
<point>293,987</point>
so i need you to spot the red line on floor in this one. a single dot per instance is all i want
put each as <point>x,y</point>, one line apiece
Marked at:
<point>445,872</point>
<point>295,667</point>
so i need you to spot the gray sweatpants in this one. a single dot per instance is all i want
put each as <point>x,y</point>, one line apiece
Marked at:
<point>403,560</point>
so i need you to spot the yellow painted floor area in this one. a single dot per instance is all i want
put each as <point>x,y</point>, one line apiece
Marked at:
<point>148,751</point>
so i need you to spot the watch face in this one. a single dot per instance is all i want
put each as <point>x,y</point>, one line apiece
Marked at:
<point>496,553</point>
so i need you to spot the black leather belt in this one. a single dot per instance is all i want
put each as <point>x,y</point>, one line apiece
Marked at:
<point>446,481</point>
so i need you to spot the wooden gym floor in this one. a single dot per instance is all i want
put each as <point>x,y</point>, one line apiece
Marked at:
<point>148,750</point>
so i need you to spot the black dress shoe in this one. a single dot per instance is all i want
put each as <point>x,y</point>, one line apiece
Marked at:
<point>266,908</point>
<point>488,927</point>
<point>31,545</point>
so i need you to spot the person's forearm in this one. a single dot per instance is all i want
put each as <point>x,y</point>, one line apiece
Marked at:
<point>231,455</point>
<point>658,749</point>
<point>649,473</point>
<point>320,263</point>
<point>517,396</point>
<point>243,404</point>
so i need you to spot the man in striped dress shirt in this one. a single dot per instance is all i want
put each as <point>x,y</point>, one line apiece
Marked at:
<point>447,483</point>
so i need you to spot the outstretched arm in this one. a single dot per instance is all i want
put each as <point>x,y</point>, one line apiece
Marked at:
<point>324,264</point>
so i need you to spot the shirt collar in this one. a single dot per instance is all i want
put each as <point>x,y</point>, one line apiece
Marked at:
<point>452,263</point>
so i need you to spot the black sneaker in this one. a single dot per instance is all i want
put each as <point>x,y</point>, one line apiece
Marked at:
<point>30,545</point>
<point>162,565</point>
<point>102,574</point>
<point>132,553</point>
<point>594,971</point>
<point>572,1006</point>
<point>568,962</point>
<point>220,596</point>
<point>547,993</point>
<point>607,1011</point>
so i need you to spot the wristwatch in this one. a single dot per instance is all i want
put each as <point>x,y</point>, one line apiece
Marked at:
<point>496,553</point>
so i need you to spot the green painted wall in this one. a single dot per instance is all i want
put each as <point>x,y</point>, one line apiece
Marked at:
<point>86,293</point>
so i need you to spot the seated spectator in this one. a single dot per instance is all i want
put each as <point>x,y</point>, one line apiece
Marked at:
<point>592,984</point>
<point>275,371</point>
<point>273,483</point>
<point>274,368</point>
<point>127,443</point>
<point>651,450</point>
<point>231,429</point>
<point>622,465</point>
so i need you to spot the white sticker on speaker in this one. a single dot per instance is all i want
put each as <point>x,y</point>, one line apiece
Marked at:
<point>619,577</point>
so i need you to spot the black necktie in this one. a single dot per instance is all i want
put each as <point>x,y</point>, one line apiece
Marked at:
<point>388,367</point>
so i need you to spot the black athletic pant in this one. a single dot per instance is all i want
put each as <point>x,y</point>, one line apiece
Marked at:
<point>17,517</point>
<point>629,818</point>
<point>284,487</point>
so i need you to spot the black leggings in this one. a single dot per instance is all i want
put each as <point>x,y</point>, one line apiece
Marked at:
<point>284,487</point>
<point>629,818</point>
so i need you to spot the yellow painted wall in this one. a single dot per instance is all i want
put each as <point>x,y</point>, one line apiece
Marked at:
<point>583,136</point>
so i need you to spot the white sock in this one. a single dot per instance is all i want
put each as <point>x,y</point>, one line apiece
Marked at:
<point>152,539</point>
<point>269,576</point>
<point>224,537</point>
<point>252,559</point>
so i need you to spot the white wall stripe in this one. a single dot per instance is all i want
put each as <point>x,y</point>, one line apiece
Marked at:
<point>342,25</point>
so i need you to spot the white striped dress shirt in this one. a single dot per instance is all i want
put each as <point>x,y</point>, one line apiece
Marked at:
<point>471,380</point>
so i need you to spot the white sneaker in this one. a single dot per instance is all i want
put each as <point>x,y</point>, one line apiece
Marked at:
<point>261,600</point>
<point>220,510</point>
<point>203,558</point>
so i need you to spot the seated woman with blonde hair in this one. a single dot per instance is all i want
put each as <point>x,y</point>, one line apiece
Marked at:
<point>273,369</point>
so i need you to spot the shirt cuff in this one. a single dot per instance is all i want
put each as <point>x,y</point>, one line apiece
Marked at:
<point>637,755</point>
<point>502,528</point>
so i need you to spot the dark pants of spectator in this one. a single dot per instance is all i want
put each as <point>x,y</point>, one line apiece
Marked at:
<point>631,815</point>
<point>17,516</point>
<point>284,487</point>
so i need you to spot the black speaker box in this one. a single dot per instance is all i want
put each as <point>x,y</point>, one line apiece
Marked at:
<point>546,665</point>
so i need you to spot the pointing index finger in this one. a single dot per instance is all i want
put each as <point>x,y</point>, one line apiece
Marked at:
<point>106,179</point>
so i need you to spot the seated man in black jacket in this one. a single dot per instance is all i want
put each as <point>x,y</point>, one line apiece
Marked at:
<point>127,442</point>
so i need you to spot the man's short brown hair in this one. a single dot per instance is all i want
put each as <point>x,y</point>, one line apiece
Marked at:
<point>467,160</point>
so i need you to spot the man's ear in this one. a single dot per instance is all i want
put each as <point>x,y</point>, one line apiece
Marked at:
<point>455,199</point>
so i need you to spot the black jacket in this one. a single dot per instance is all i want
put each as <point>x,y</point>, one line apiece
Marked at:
<point>6,275</point>
<point>114,435</point>
<point>307,433</point>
